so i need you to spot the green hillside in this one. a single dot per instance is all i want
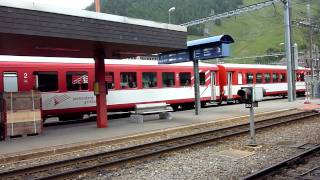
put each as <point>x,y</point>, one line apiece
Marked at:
<point>261,31</point>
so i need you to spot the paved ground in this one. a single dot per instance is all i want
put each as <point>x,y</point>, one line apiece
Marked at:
<point>74,133</point>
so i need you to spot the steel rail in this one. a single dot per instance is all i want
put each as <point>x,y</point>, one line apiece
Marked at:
<point>287,162</point>
<point>75,166</point>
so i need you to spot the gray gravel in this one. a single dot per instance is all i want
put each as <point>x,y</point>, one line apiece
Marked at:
<point>206,162</point>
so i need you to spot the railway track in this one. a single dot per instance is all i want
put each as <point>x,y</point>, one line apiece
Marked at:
<point>72,168</point>
<point>305,165</point>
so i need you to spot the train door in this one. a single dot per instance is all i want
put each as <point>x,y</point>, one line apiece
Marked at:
<point>213,86</point>
<point>10,82</point>
<point>239,78</point>
<point>229,85</point>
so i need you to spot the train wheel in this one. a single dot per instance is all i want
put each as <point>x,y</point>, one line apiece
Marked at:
<point>187,106</point>
<point>175,107</point>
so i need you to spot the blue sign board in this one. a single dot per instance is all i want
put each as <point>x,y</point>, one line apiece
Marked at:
<point>174,57</point>
<point>201,49</point>
<point>211,52</point>
<point>207,53</point>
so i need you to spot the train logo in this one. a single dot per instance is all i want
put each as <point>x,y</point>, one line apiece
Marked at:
<point>57,99</point>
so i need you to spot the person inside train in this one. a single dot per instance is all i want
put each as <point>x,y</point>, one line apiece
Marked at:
<point>132,84</point>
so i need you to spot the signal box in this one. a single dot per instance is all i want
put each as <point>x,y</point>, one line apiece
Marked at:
<point>251,95</point>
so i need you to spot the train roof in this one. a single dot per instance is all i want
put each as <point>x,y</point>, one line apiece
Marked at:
<point>256,66</point>
<point>60,60</point>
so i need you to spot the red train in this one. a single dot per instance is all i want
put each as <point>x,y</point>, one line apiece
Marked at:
<point>67,84</point>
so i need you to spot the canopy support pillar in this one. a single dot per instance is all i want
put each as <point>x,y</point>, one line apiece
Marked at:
<point>100,89</point>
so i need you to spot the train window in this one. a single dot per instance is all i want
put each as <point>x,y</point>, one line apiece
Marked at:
<point>109,79</point>
<point>249,78</point>
<point>149,79</point>
<point>239,78</point>
<point>275,77</point>
<point>168,79</point>
<point>202,77</point>
<point>10,82</point>
<point>128,80</point>
<point>185,79</point>
<point>46,81</point>
<point>283,78</point>
<point>267,77</point>
<point>77,81</point>
<point>258,78</point>
<point>300,76</point>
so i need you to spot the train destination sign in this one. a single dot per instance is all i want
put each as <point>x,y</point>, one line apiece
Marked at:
<point>174,57</point>
<point>219,51</point>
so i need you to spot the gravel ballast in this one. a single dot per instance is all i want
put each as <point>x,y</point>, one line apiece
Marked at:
<point>138,140</point>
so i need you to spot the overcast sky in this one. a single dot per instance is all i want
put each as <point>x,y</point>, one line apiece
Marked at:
<point>74,4</point>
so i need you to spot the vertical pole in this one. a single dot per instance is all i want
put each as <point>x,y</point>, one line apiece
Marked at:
<point>196,86</point>
<point>97,4</point>
<point>288,48</point>
<point>101,94</point>
<point>293,59</point>
<point>294,65</point>
<point>169,18</point>
<point>252,129</point>
<point>310,51</point>
<point>318,63</point>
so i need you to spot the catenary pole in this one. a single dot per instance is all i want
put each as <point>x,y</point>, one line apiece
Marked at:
<point>311,51</point>
<point>293,58</point>
<point>287,23</point>
<point>196,85</point>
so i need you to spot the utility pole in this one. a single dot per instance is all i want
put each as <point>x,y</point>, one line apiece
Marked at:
<point>310,51</point>
<point>196,85</point>
<point>287,22</point>
<point>293,57</point>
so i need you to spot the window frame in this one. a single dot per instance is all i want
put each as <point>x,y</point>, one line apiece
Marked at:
<point>273,77</point>
<point>136,80</point>
<point>260,80</point>
<point>113,80</point>
<point>78,73</point>
<point>174,79</point>
<point>156,82</point>
<point>187,79</point>
<point>284,77</point>
<point>265,79</point>
<point>204,79</point>
<point>36,76</point>
<point>247,79</point>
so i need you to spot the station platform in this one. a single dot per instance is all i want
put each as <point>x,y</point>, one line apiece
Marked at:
<point>86,132</point>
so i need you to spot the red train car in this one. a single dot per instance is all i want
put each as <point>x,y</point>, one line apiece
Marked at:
<point>67,88</point>
<point>272,78</point>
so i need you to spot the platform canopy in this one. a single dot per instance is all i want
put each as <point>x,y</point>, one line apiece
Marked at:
<point>221,39</point>
<point>31,29</point>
